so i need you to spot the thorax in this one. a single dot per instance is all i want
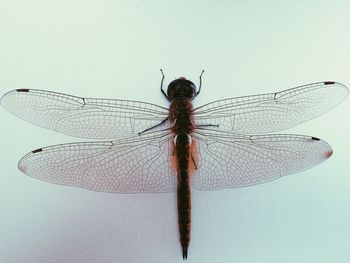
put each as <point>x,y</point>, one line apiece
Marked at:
<point>181,116</point>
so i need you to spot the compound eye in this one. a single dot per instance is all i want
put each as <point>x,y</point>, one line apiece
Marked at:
<point>194,88</point>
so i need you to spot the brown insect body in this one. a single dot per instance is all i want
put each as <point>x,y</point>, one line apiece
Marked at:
<point>180,92</point>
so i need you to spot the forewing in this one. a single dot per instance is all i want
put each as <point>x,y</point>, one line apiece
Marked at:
<point>83,117</point>
<point>131,165</point>
<point>272,112</point>
<point>228,160</point>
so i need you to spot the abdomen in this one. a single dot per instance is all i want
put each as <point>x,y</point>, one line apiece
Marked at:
<point>182,151</point>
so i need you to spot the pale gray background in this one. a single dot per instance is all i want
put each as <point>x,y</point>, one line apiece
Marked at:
<point>114,49</point>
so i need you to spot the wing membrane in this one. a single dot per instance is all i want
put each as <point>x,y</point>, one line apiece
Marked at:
<point>272,112</point>
<point>131,165</point>
<point>83,117</point>
<point>229,160</point>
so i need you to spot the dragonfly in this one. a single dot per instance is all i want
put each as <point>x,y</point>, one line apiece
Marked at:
<point>141,147</point>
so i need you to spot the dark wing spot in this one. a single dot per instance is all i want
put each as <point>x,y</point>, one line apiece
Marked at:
<point>37,150</point>
<point>329,82</point>
<point>22,90</point>
<point>315,139</point>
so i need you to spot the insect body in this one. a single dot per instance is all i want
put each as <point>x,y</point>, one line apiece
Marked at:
<point>153,149</point>
<point>180,92</point>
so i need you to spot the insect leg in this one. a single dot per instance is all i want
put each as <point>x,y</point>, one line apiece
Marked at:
<point>155,126</point>
<point>207,125</point>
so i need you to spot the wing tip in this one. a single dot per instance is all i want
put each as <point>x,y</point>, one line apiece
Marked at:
<point>328,154</point>
<point>328,151</point>
<point>22,167</point>
<point>22,164</point>
<point>341,89</point>
<point>9,93</point>
<point>329,82</point>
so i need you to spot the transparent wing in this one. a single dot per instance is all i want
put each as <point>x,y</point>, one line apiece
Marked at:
<point>228,160</point>
<point>272,112</point>
<point>131,165</point>
<point>83,117</point>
